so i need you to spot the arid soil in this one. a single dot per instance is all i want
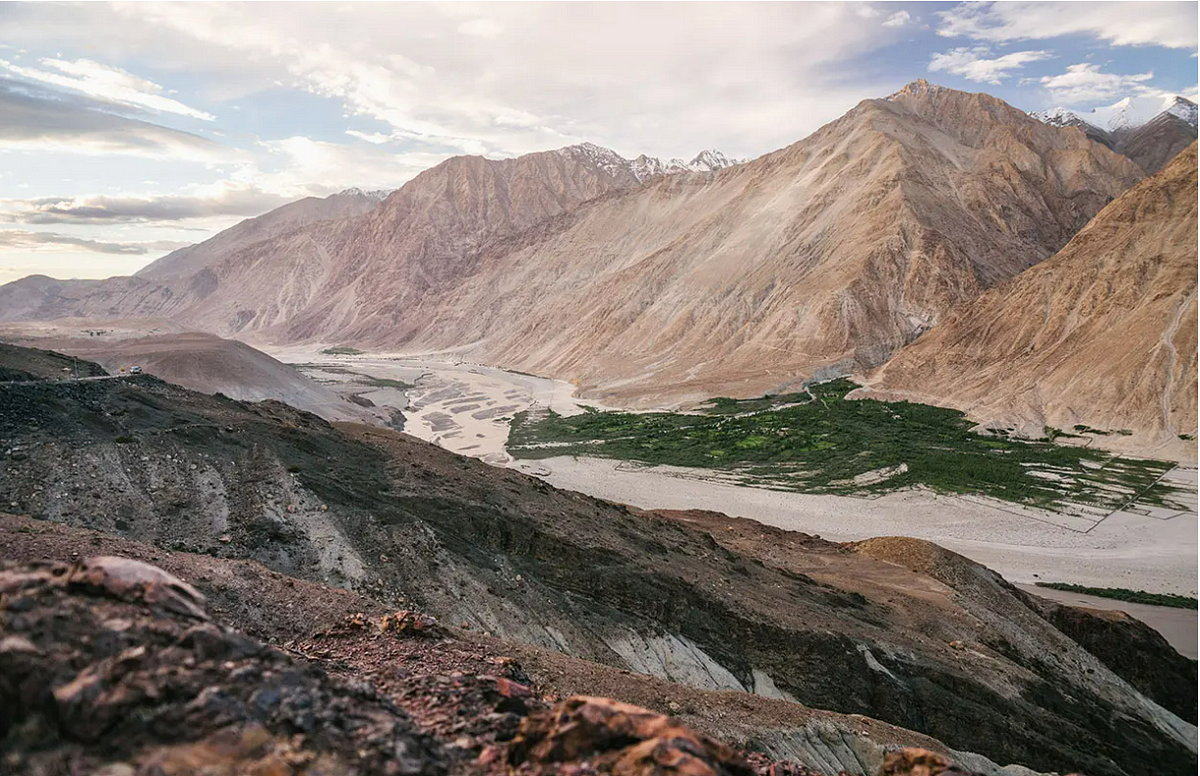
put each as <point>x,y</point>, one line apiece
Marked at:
<point>466,693</point>
<point>194,360</point>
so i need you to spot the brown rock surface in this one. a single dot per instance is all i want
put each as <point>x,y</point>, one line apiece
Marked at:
<point>1103,334</point>
<point>110,666</point>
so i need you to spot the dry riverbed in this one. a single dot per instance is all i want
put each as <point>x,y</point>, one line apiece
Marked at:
<point>466,408</point>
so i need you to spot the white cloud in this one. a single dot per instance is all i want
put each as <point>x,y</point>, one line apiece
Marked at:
<point>1170,24</point>
<point>1085,83</point>
<point>898,19</point>
<point>50,122</point>
<point>972,64</point>
<point>375,138</point>
<point>481,28</point>
<point>20,239</point>
<point>103,82</point>
<point>306,167</point>
<point>633,86</point>
<point>225,198</point>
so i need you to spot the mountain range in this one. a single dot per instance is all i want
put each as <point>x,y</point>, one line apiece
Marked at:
<point>823,258</point>
<point>1149,130</point>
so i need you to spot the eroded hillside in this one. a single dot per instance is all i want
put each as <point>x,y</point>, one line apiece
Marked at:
<point>966,661</point>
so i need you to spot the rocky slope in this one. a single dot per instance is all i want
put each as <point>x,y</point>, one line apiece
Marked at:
<point>822,257</point>
<point>447,669</point>
<point>948,649</point>
<point>1102,335</point>
<point>1156,142</point>
<point>302,212</point>
<point>193,360</point>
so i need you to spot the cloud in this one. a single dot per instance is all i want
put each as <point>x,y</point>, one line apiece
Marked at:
<point>41,120</point>
<point>481,28</point>
<point>220,200</point>
<point>16,239</point>
<point>306,167</point>
<point>102,82</point>
<point>1084,83</point>
<point>898,19</point>
<point>1169,24</point>
<point>630,85</point>
<point>971,63</point>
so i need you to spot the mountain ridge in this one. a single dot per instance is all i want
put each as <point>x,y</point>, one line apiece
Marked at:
<point>1102,335</point>
<point>851,241</point>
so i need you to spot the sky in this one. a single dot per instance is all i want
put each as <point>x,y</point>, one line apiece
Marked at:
<point>130,129</point>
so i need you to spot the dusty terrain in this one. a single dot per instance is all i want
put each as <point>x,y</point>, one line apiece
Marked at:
<point>415,526</point>
<point>1102,335</point>
<point>194,360</point>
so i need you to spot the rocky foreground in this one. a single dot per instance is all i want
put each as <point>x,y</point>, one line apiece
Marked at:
<point>111,665</point>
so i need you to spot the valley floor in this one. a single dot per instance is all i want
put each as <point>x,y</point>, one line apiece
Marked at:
<point>466,408</point>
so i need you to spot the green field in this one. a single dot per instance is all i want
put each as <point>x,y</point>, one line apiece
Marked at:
<point>818,442</point>
<point>1124,594</point>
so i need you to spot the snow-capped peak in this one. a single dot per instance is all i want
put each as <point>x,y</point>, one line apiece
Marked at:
<point>1183,108</point>
<point>377,194</point>
<point>645,167</point>
<point>597,156</point>
<point>1127,113</point>
<point>1058,117</point>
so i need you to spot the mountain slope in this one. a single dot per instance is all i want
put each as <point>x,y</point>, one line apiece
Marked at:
<point>310,210</point>
<point>1149,130</point>
<point>823,257</point>
<point>1103,334</point>
<point>194,360</point>
<point>784,615</point>
<point>1157,142</point>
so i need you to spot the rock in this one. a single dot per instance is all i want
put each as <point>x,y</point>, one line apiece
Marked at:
<point>168,692</point>
<point>619,739</point>
<point>919,762</point>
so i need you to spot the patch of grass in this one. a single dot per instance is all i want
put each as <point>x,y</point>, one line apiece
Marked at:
<point>382,382</point>
<point>342,351</point>
<point>1123,594</point>
<point>124,439</point>
<point>818,442</point>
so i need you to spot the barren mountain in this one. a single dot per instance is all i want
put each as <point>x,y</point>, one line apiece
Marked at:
<point>1102,335</point>
<point>95,641</point>
<point>1130,127</point>
<point>310,210</point>
<point>1157,142</point>
<point>895,629</point>
<point>822,257</point>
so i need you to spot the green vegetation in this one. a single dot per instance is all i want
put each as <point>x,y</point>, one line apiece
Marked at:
<point>342,351</point>
<point>818,442</point>
<point>381,382</point>
<point>1122,594</point>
